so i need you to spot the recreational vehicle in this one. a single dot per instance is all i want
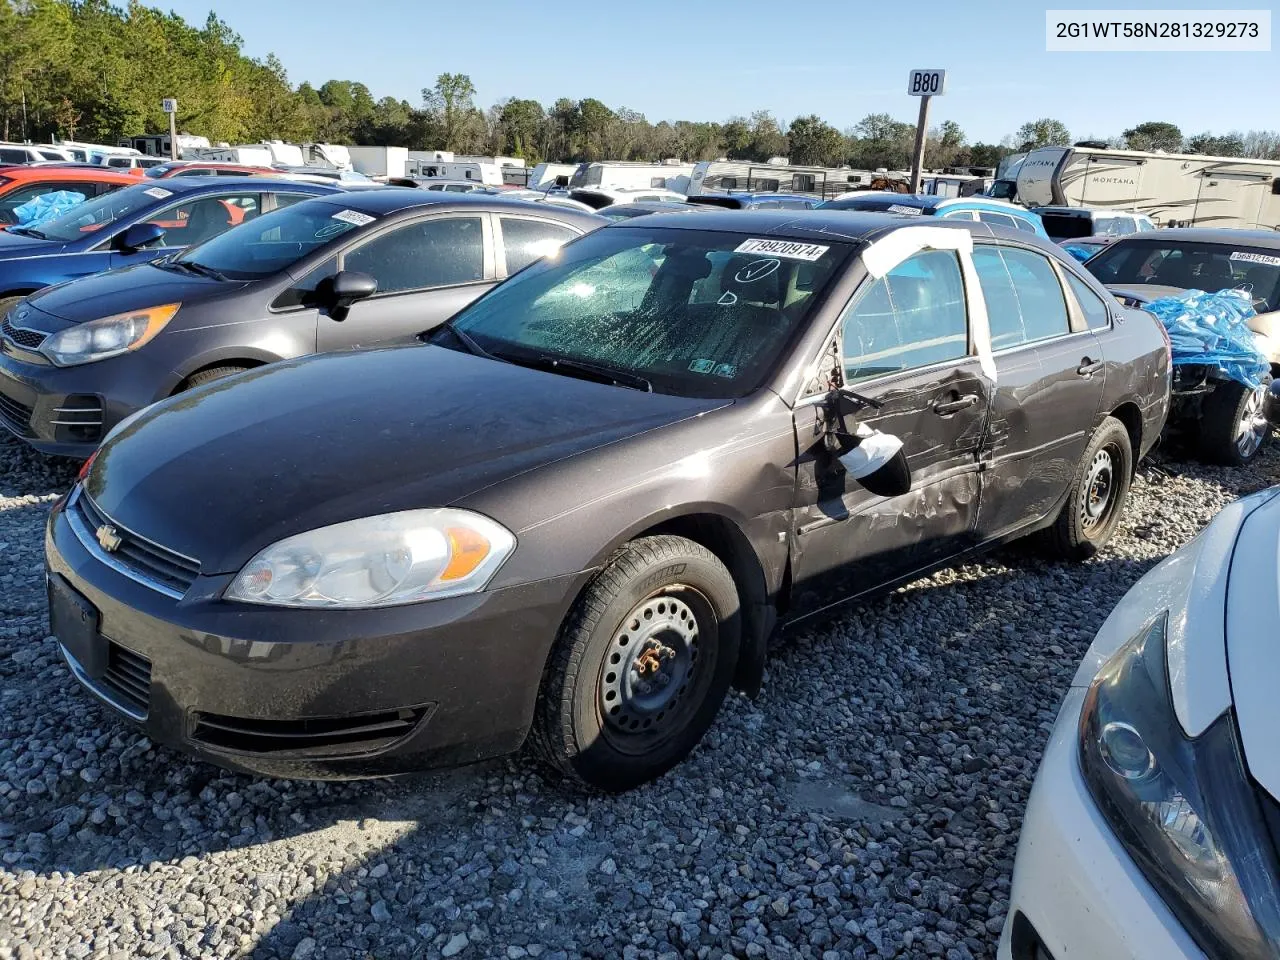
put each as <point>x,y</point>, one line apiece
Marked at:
<point>159,144</point>
<point>545,176</point>
<point>616,175</point>
<point>256,155</point>
<point>721,176</point>
<point>490,174</point>
<point>380,161</point>
<point>1173,189</point>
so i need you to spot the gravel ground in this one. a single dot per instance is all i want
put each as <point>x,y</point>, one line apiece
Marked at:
<point>866,805</point>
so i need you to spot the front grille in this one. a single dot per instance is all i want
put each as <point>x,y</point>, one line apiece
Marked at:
<point>153,564</point>
<point>128,677</point>
<point>16,415</point>
<point>330,736</point>
<point>29,339</point>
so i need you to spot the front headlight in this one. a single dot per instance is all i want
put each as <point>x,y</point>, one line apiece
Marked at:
<point>108,337</point>
<point>1183,808</point>
<point>378,561</point>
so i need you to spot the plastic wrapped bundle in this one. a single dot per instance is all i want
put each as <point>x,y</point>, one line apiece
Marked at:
<point>1213,329</point>
<point>47,206</point>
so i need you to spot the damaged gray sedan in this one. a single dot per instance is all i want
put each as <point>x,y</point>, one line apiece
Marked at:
<point>584,505</point>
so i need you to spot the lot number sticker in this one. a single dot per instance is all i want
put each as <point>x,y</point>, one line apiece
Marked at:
<point>353,217</point>
<point>789,249</point>
<point>159,193</point>
<point>1256,258</point>
<point>899,208</point>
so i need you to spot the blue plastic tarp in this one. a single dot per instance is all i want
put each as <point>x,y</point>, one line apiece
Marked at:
<point>47,206</point>
<point>1213,329</point>
<point>1080,252</point>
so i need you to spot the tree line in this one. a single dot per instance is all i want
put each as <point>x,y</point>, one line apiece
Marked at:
<point>88,70</point>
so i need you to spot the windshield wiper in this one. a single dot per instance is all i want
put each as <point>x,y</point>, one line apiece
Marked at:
<point>465,340</point>
<point>590,371</point>
<point>29,232</point>
<point>200,269</point>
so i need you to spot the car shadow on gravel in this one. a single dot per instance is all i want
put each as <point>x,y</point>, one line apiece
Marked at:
<point>882,773</point>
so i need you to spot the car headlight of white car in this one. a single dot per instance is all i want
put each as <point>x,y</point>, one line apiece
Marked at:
<point>1183,808</point>
<point>391,559</point>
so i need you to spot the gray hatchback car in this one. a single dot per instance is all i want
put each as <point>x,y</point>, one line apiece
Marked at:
<point>370,267</point>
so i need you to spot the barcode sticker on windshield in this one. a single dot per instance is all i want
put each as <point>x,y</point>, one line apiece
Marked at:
<point>789,249</point>
<point>354,217</point>
<point>158,192</point>
<point>909,211</point>
<point>1256,258</point>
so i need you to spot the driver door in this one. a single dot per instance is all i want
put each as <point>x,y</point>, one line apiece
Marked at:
<point>906,344</point>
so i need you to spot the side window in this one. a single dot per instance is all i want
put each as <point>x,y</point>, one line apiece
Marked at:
<point>427,253</point>
<point>195,221</point>
<point>731,183</point>
<point>958,215</point>
<point>303,293</point>
<point>1024,298</point>
<point>913,316</point>
<point>1091,305</point>
<point>528,240</point>
<point>120,162</point>
<point>1024,225</point>
<point>289,199</point>
<point>803,182</point>
<point>1003,219</point>
<point>13,156</point>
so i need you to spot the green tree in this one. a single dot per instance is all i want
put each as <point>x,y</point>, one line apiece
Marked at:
<point>521,124</point>
<point>1154,135</point>
<point>813,141</point>
<point>1230,145</point>
<point>1042,133</point>
<point>452,101</point>
<point>879,141</point>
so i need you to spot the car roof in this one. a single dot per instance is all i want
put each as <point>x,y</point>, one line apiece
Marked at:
<point>197,184</point>
<point>1220,235</point>
<point>831,224</point>
<point>386,200</point>
<point>67,171</point>
<point>1088,211</point>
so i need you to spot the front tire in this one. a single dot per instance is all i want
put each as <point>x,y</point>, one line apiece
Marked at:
<point>642,664</point>
<point>1233,428</point>
<point>1092,512</point>
<point>201,377</point>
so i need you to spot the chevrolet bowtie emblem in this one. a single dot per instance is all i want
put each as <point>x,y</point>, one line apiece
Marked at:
<point>108,538</point>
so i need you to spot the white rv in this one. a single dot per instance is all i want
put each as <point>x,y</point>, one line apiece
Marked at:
<point>1173,189</point>
<point>251,156</point>
<point>545,176</point>
<point>720,176</point>
<point>327,155</point>
<point>158,144</point>
<point>380,161</point>
<point>489,174</point>
<point>615,175</point>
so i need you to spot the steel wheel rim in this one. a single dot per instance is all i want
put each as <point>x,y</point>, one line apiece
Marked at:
<point>1099,493</point>
<point>1252,426</point>
<point>659,658</point>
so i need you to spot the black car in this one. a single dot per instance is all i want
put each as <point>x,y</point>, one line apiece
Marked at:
<point>580,510</point>
<point>1225,418</point>
<point>370,267</point>
<point>642,208</point>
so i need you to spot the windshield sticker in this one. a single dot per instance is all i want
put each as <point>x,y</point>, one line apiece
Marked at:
<point>325,231</point>
<point>909,211</point>
<point>727,299</point>
<point>158,192</point>
<point>788,249</point>
<point>1256,258</point>
<point>726,370</point>
<point>757,270</point>
<point>702,366</point>
<point>354,217</point>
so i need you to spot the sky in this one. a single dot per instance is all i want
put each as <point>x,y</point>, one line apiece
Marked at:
<point>699,60</point>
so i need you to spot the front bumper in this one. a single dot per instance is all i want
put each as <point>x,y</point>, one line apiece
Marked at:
<point>1076,892</point>
<point>66,411</point>
<point>317,694</point>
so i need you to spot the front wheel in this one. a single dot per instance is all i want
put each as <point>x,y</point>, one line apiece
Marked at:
<point>1092,512</point>
<point>642,664</point>
<point>1233,425</point>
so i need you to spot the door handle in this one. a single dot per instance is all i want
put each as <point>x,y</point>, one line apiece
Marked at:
<point>1088,367</point>
<point>948,407</point>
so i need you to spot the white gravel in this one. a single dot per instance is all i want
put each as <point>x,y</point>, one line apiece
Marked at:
<point>867,805</point>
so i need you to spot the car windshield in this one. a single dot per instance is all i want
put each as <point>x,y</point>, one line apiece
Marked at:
<point>695,313</point>
<point>1202,266</point>
<point>93,215</point>
<point>274,241</point>
<point>877,204</point>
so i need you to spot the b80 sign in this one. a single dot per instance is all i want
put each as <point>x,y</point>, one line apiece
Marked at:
<point>927,83</point>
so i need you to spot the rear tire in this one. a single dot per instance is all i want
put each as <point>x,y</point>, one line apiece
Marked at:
<point>201,377</point>
<point>643,662</point>
<point>1092,512</point>
<point>1232,426</point>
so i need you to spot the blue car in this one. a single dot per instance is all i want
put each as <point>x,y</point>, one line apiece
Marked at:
<point>735,200</point>
<point>927,205</point>
<point>134,225</point>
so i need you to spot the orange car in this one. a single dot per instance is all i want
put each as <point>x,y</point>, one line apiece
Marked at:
<point>18,184</point>
<point>204,168</point>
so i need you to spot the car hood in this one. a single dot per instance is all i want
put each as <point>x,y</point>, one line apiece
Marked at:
<point>1253,610</point>
<point>15,245</point>
<point>131,288</point>
<point>223,471</point>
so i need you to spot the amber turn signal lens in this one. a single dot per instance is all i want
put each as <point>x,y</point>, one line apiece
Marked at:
<point>467,550</point>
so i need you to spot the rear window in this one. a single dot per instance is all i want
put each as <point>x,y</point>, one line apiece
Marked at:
<point>1201,266</point>
<point>93,215</point>
<point>1066,226</point>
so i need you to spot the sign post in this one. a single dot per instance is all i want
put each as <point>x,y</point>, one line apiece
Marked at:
<point>171,108</point>
<point>925,84</point>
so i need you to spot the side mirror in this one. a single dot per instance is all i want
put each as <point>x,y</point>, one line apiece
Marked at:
<point>345,288</point>
<point>134,238</point>
<point>878,463</point>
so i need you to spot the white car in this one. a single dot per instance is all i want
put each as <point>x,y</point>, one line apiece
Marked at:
<point>1153,828</point>
<point>600,197</point>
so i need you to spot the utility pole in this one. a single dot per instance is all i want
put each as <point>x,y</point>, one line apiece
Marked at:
<point>925,84</point>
